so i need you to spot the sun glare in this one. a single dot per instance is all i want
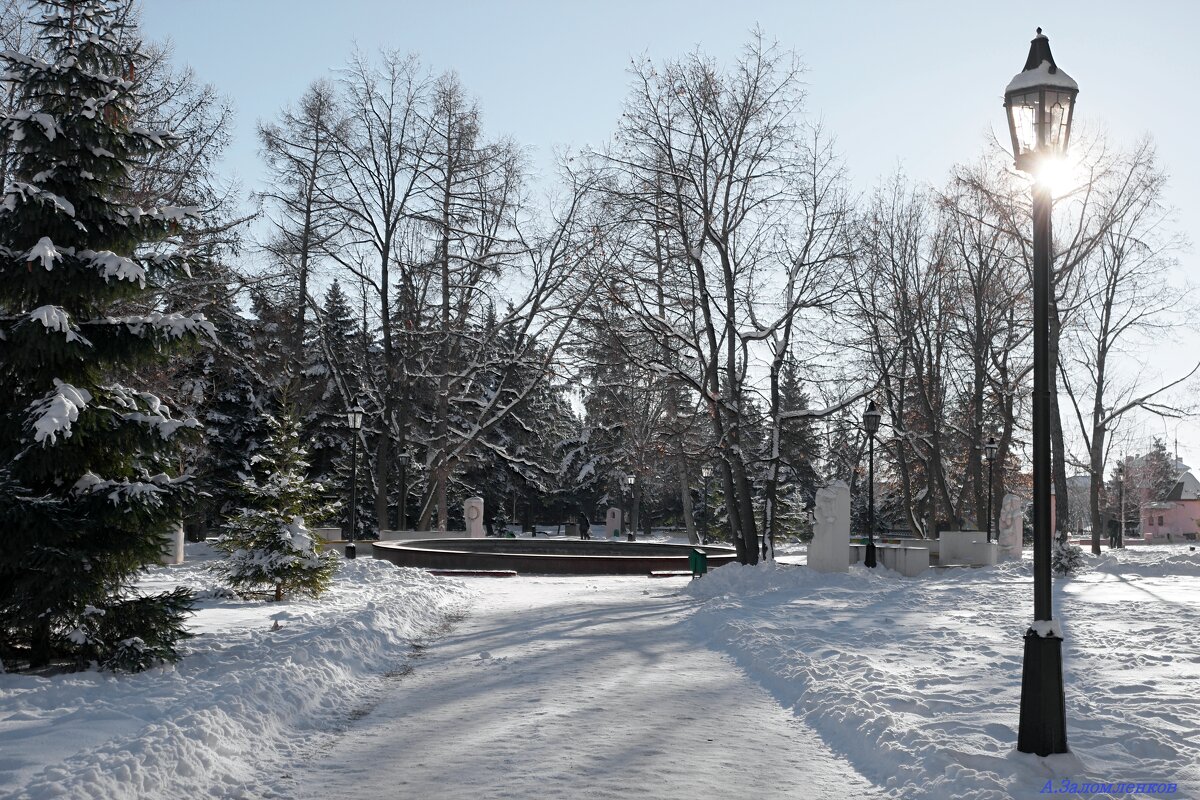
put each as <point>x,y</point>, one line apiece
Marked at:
<point>1063,175</point>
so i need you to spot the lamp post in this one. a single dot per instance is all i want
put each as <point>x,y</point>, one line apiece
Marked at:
<point>1040,102</point>
<point>871,419</point>
<point>1121,504</point>
<point>630,481</point>
<point>403,460</point>
<point>989,452</point>
<point>706,472</point>
<point>354,418</point>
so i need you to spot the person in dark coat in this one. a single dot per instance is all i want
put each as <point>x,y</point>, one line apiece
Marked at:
<point>585,526</point>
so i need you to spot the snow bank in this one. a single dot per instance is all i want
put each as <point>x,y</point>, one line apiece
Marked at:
<point>255,683</point>
<point>917,681</point>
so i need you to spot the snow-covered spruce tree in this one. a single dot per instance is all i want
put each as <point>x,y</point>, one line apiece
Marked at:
<point>267,543</point>
<point>87,489</point>
<point>1065,558</point>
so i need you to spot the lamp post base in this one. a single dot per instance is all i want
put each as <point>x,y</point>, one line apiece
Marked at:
<point>1043,723</point>
<point>869,558</point>
<point>351,551</point>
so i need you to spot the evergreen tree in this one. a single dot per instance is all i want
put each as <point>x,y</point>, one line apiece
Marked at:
<point>1159,473</point>
<point>334,384</point>
<point>267,541</point>
<point>1138,480</point>
<point>87,493</point>
<point>1065,558</point>
<point>235,400</point>
<point>799,448</point>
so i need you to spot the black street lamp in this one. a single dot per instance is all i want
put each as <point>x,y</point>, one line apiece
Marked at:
<point>1040,102</point>
<point>403,460</point>
<point>1121,504</point>
<point>630,480</point>
<point>354,418</point>
<point>871,419</point>
<point>989,452</point>
<point>706,471</point>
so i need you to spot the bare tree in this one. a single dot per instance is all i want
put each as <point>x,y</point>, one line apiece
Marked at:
<point>1128,297</point>
<point>903,297</point>
<point>298,151</point>
<point>469,203</point>
<point>991,322</point>
<point>728,225</point>
<point>378,156</point>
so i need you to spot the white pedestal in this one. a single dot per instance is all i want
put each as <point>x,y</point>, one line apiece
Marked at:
<point>612,522</point>
<point>969,548</point>
<point>328,534</point>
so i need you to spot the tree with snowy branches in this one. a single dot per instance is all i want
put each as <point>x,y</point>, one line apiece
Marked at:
<point>267,543</point>
<point>1065,558</point>
<point>88,489</point>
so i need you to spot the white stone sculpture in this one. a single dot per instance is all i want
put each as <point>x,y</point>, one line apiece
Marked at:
<point>1012,517</point>
<point>473,512</point>
<point>829,550</point>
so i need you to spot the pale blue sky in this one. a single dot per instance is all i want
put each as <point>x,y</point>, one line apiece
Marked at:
<point>911,83</point>
<point>916,85</point>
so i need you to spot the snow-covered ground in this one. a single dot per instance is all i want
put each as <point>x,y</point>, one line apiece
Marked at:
<point>917,681</point>
<point>566,687</point>
<point>399,684</point>
<point>255,685</point>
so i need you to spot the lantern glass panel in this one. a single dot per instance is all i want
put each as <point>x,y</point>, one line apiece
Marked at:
<point>1023,116</point>
<point>1058,118</point>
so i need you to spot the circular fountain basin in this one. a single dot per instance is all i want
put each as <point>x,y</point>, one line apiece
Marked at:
<point>548,556</point>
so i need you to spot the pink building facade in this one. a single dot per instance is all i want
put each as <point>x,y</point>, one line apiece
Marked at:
<point>1177,516</point>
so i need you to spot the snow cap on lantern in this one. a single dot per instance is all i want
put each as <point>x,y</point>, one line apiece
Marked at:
<point>1040,101</point>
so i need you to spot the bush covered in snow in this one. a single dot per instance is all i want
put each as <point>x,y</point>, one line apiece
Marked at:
<point>1065,558</point>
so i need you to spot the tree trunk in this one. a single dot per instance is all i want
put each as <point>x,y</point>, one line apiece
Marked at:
<point>1057,447</point>
<point>383,466</point>
<point>685,499</point>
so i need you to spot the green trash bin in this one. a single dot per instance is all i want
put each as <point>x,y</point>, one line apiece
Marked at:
<point>698,562</point>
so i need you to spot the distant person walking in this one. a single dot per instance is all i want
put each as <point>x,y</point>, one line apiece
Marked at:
<point>585,526</point>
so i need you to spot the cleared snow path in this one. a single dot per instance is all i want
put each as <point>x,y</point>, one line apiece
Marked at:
<point>581,688</point>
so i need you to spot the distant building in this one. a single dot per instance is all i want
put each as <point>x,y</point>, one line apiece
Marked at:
<point>1175,516</point>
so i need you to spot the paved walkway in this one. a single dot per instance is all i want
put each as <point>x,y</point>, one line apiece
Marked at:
<point>577,688</point>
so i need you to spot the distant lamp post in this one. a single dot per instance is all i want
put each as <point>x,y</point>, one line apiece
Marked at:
<point>630,481</point>
<point>1040,102</point>
<point>403,459</point>
<point>1121,504</point>
<point>989,452</point>
<point>871,419</point>
<point>354,419</point>
<point>705,471</point>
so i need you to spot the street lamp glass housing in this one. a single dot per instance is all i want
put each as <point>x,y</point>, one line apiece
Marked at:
<point>630,480</point>
<point>354,418</point>
<point>706,471</point>
<point>990,449</point>
<point>403,459</point>
<point>1040,101</point>
<point>871,418</point>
